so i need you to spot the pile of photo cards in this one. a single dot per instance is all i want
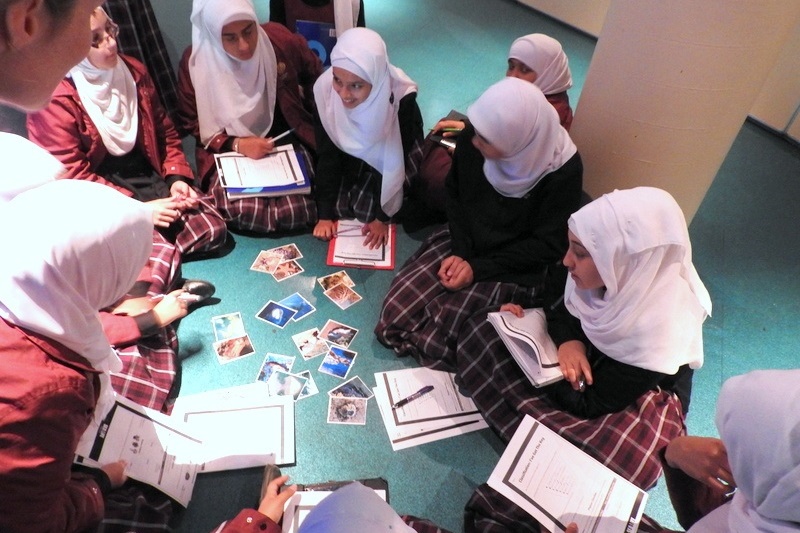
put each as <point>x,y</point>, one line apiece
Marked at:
<point>339,288</point>
<point>231,340</point>
<point>347,403</point>
<point>281,262</point>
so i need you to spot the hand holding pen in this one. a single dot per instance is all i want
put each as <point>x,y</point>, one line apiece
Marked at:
<point>421,392</point>
<point>448,128</point>
<point>257,147</point>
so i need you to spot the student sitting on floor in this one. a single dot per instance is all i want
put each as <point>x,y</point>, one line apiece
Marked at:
<point>628,332</point>
<point>516,179</point>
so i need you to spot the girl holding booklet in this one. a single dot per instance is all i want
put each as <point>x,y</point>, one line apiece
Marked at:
<point>516,178</point>
<point>627,347</point>
<point>242,87</point>
<point>369,137</point>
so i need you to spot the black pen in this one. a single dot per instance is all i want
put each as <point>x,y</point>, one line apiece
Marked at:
<point>424,390</point>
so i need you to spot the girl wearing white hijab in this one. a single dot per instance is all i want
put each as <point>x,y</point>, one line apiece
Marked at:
<point>370,137</point>
<point>515,181</point>
<point>241,87</point>
<point>629,335</point>
<point>55,357</point>
<point>106,124</point>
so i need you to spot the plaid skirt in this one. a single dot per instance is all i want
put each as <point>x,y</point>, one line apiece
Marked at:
<point>422,319</point>
<point>198,230</point>
<point>628,442</point>
<point>422,525</point>
<point>488,511</point>
<point>136,508</point>
<point>165,265</point>
<point>149,369</point>
<point>263,214</point>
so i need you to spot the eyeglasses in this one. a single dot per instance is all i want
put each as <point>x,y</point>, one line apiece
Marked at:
<point>111,31</point>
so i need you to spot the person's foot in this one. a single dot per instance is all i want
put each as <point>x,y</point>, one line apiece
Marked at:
<point>270,472</point>
<point>197,290</point>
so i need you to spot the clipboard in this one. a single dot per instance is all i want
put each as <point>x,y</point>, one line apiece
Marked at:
<point>347,249</point>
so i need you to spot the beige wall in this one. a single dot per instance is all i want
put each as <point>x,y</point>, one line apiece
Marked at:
<point>779,100</point>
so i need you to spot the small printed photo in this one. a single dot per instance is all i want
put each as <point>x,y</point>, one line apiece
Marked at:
<point>228,326</point>
<point>331,280</point>
<point>276,314</point>
<point>311,386</point>
<point>266,261</point>
<point>352,388</point>
<point>338,362</point>
<point>347,411</point>
<point>232,349</point>
<point>337,333</point>
<point>342,295</point>
<point>299,304</point>
<point>310,344</point>
<point>282,383</point>
<point>287,252</point>
<point>287,270</point>
<point>273,362</point>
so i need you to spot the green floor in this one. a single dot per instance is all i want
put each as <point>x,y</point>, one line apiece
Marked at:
<point>745,246</point>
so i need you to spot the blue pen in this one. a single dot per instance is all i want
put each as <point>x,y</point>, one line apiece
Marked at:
<point>424,390</point>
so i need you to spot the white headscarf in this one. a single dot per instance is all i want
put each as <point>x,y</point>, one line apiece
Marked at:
<point>60,274</point>
<point>353,507</point>
<point>345,14</point>
<point>545,56</point>
<point>514,116</point>
<point>652,310</point>
<point>370,131</point>
<point>758,418</point>
<point>26,165</point>
<point>234,96</point>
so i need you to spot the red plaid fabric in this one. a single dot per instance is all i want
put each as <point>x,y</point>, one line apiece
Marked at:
<point>421,318</point>
<point>148,369</point>
<point>488,511</point>
<point>627,442</point>
<point>165,265</point>
<point>198,230</point>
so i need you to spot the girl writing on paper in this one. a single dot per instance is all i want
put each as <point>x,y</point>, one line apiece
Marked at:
<point>106,124</point>
<point>242,86</point>
<point>629,336</point>
<point>369,137</point>
<point>516,179</point>
<point>536,58</point>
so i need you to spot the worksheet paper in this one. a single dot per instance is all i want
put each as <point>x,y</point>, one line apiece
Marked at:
<point>557,483</point>
<point>159,450</point>
<point>347,247</point>
<point>443,412</point>
<point>241,427</point>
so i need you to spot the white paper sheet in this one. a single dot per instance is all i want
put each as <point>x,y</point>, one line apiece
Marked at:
<point>241,427</point>
<point>442,413</point>
<point>279,168</point>
<point>160,450</point>
<point>557,483</point>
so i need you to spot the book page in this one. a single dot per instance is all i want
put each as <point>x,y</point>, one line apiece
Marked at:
<point>557,484</point>
<point>279,168</point>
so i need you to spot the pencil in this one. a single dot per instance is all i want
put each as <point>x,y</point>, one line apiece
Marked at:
<point>282,135</point>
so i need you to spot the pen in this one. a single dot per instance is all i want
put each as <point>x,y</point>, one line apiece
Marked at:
<point>454,130</point>
<point>282,135</point>
<point>424,390</point>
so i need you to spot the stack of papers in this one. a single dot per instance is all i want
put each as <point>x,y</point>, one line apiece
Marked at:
<point>443,412</point>
<point>280,173</point>
<point>530,344</point>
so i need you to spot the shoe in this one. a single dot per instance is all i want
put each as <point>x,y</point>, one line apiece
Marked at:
<point>270,472</point>
<point>197,290</point>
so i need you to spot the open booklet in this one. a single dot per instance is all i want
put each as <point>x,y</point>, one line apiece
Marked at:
<point>279,173</point>
<point>347,248</point>
<point>530,345</point>
<point>557,483</point>
<point>308,496</point>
